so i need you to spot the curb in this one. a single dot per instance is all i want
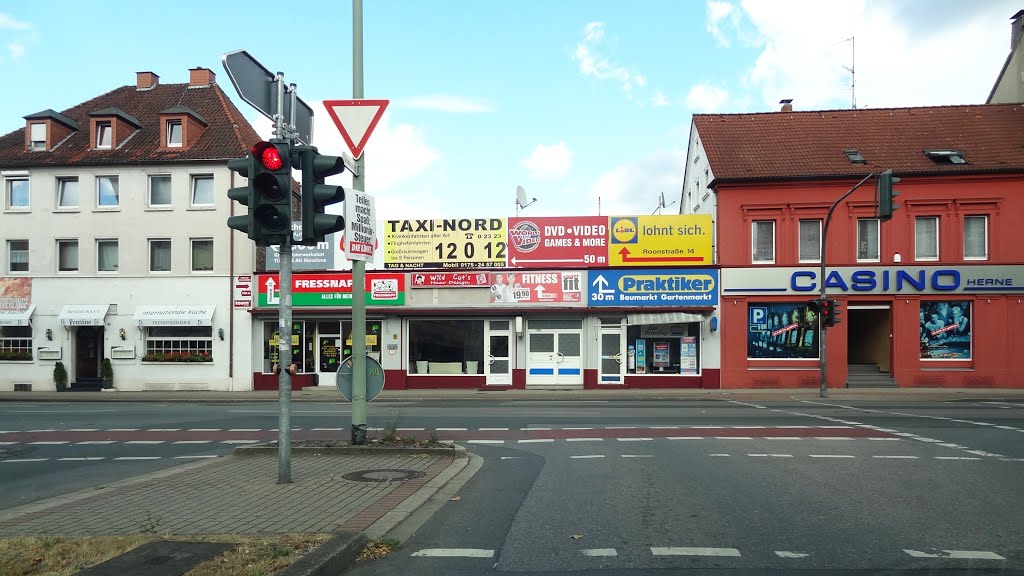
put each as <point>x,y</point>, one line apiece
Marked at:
<point>457,452</point>
<point>330,558</point>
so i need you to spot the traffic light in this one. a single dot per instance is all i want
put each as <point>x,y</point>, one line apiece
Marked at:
<point>830,312</point>
<point>271,185</point>
<point>317,196</point>
<point>885,195</point>
<point>245,167</point>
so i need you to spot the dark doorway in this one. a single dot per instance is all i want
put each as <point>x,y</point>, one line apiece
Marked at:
<point>869,346</point>
<point>88,352</point>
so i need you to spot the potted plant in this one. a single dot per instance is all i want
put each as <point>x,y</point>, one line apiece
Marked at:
<point>107,374</point>
<point>60,377</point>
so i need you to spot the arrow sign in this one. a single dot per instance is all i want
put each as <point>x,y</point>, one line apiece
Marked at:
<point>271,297</point>
<point>602,285</point>
<point>627,258</point>
<point>516,260</point>
<point>356,120</point>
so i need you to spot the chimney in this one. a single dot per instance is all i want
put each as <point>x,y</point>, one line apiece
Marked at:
<point>198,77</point>
<point>1016,28</point>
<point>787,105</point>
<point>146,80</point>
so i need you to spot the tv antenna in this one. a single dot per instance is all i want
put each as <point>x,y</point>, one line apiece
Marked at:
<point>521,199</point>
<point>851,70</point>
<point>661,204</point>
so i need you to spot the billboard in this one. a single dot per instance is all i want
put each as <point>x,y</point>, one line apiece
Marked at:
<point>445,243</point>
<point>382,289</point>
<point>319,257</point>
<point>450,279</point>
<point>536,287</point>
<point>570,242</point>
<point>663,240</point>
<point>945,330</point>
<point>654,287</point>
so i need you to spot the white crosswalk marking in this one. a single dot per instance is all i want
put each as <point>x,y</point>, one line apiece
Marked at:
<point>599,552</point>
<point>957,554</point>
<point>691,551</point>
<point>455,553</point>
<point>785,554</point>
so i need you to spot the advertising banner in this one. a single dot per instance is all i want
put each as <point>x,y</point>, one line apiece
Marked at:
<point>662,240</point>
<point>319,257</point>
<point>451,279</point>
<point>945,330</point>
<point>242,292</point>
<point>536,287</point>
<point>782,330</point>
<point>15,293</point>
<point>445,243</point>
<point>360,226</point>
<point>980,279</point>
<point>689,287</point>
<point>549,242</point>
<point>382,289</point>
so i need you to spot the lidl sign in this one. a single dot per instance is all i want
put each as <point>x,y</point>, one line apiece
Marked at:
<point>335,289</point>
<point>662,240</point>
<point>673,287</point>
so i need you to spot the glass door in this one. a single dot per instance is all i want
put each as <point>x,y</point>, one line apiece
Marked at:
<point>569,359</point>
<point>498,365</point>
<point>613,354</point>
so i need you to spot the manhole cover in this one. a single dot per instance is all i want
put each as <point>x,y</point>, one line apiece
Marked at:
<point>383,475</point>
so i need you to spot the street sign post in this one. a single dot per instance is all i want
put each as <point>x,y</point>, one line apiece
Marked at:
<point>356,120</point>
<point>374,378</point>
<point>361,221</point>
<point>257,86</point>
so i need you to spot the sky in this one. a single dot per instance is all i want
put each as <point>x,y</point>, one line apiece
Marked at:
<point>587,104</point>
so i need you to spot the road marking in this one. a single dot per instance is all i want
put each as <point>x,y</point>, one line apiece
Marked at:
<point>438,429</point>
<point>163,430</point>
<point>638,456</point>
<point>81,429</point>
<point>81,459</point>
<point>95,442</point>
<point>792,426</point>
<point>531,440</point>
<point>259,429</point>
<point>485,441</point>
<point>49,442</point>
<point>772,455</point>
<point>7,443</point>
<point>634,439</point>
<point>239,441</point>
<point>595,552</point>
<point>707,427</point>
<point>511,457</point>
<point>958,554</point>
<point>587,456</point>
<point>783,438</point>
<point>575,428</point>
<point>831,438</point>
<point>408,429</point>
<point>137,458</point>
<point>144,442</point>
<point>584,439</point>
<point>49,430</point>
<point>215,429</point>
<point>733,438</point>
<point>192,442</point>
<point>455,553</point>
<point>884,438</point>
<point>122,430</point>
<point>684,438</point>
<point>956,458</point>
<point>749,427</point>
<point>717,454</point>
<point>688,551</point>
<point>832,456</point>
<point>897,457</point>
<point>531,428</point>
<point>197,456</point>
<point>493,429</point>
<point>620,427</point>
<point>316,430</point>
<point>26,460</point>
<point>747,404</point>
<point>652,428</point>
<point>785,554</point>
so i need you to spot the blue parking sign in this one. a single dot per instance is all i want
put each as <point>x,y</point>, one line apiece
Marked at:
<point>759,316</point>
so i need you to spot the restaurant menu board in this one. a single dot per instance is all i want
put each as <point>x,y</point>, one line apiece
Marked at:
<point>445,243</point>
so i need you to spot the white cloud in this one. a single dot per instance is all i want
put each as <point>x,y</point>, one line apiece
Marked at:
<point>443,103</point>
<point>718,11</point>
<point>9,22</point>
<point>593,62</point>
<point>659,100</point>
<point>17,50</point>
<point>706,98</point>
<point>634,188</point>
<point>549,161</point>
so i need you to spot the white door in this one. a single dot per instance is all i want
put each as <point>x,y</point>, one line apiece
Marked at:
<point>555,359</point>
<point>497,353</point>
<point>541,359</point>
<point>569,362</point>
<point>613,356</point>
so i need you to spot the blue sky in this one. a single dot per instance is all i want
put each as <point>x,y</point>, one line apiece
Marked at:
<point>574,100</point>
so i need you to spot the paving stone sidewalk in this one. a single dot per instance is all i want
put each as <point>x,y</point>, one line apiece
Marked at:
<point>233,495</point>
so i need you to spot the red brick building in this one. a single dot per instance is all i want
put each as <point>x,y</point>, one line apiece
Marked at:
<point>931,298</point>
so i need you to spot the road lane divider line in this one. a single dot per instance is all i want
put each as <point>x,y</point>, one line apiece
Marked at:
<point>956,554</point>
<point>585,456</point>
<point>455,553</point>
<point>584,439</point>
<point>599,552</point>
<point>692,551</point>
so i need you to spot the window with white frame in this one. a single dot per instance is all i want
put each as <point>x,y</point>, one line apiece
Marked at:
<point>202,190</point>
<point>179,344</point>
<point>17,256</point>
<point>810,241</point>
<point>15,343</point>
<point>926,238</point>
<point>160,255</point>
<point>160,190</point>
<point>867,240</point>
<point>202,254</point>
<point>174,133</point>
<point>763,234</point>
<point>106,255</point>
<point>67,193</point>
<point>107,194</point>
<point>17,196</point>
<point>975,237</point>
<point>37,136</point>
<point>104,134</point>
<point>67,255</point>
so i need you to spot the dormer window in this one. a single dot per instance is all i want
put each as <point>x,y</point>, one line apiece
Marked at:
<point>854,156</point>
<point>180,127</point>
<point>112,127</point>
<point>104,132</point>
<point>37,136</point>
<point>47,130</point>
<point>174,133</point>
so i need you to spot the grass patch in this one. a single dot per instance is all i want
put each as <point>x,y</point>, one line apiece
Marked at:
<point>376,549</point>
<point>64,556</point>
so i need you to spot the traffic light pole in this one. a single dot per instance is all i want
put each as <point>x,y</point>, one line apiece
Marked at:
<point>284,323</point>
<point>822,330</point>
<point>358,266</point>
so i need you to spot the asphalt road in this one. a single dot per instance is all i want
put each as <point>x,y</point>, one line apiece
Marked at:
<point>617,486</point>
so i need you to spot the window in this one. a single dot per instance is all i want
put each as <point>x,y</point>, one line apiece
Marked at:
<point>202,190</point>
<point>945,156</point>
<point>106,191</point>
<point>179,344</point>
<point>764,241</point>
<point>174,133</point>
<point>17,194</point>
<point>67,192</point>
<point>67,255</point>
<point>160,190</point>
<point>37,137</point>
<point>810,240</point>
<point>446,346</point>
<point>945,330</point>
<point>103,134</point>
<point>202,254</point>
<point>782,330</point>
<point>15,343</point>
<point>106,255</point>
<point>17,255</point>
<point>975,237</point>
<point>867,239</point>
<point>662,349</point>
<point>160,255</point>
<point>926,238</point>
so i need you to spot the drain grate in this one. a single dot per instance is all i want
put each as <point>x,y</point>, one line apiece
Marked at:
<point>384,475</point>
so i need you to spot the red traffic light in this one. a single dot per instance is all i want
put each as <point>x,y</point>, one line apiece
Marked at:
<point>268,155</point>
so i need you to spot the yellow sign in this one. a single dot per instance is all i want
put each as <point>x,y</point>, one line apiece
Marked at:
<point>445,243</point>
<point>371,340</point>
<point>273,341</point>
<point>664,240</point>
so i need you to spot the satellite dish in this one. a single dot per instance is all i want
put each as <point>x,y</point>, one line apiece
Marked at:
<point>520,196</point>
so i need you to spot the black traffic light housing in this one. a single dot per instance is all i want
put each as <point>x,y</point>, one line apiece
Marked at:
<point>271,185</point>
<point>245,167</point>
<point>885,195</point>
<point>830,312</point>
<point>317,195</point>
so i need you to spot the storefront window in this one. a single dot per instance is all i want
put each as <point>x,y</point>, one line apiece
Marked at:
<point>179,344</point>
<point>271,354</point>
<point>945,330</point>
<point>662,349</point>
<point>446,346</point>
<point>15,343</point>
<point>782,330</point>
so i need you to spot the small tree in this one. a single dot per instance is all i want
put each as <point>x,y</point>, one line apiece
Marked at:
<point>107,373</point>
<point>60,376</point>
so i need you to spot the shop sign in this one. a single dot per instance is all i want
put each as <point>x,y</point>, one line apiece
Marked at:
<point>15,294</point>
<point>662,330</point>
<point>319,257</point>
<point>445,243</point>
<point>536,287</point>
<point>555,242</point>
<point>875,280</point>
<point>242,292</point>
<point>382,289</point>
<point>662,240</point>
<point>450,279</point>
<point>685,287</point>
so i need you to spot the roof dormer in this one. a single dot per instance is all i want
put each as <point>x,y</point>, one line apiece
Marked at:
<point>180,127</point>
<point>47,129</point>
<point>109,128</point>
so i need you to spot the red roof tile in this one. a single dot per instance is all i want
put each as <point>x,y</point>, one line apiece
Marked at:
<point>794,145</point>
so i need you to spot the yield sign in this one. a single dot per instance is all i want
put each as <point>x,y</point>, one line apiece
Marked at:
<point>356,120</point>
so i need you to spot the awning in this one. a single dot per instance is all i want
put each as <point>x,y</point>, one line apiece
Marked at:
<point>16,317</point>
<point>83,314</point>
<point>174,315</point>
<point>663,318</point>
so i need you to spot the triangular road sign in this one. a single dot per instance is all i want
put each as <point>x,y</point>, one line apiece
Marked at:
<point>356,120</point>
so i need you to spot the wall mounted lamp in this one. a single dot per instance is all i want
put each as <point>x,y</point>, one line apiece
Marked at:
<point>220,333</point>
<point>121,333</point>
<point>49,334</point>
